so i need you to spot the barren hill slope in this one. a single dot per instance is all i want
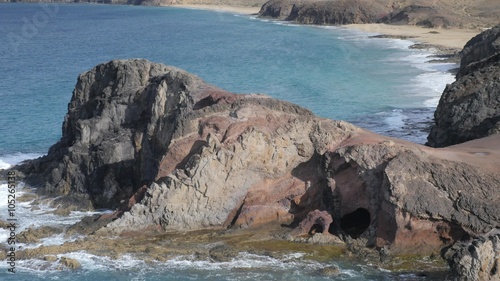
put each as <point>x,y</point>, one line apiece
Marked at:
<point>428,13</point>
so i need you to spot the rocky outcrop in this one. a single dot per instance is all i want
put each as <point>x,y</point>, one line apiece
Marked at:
<point>120,120</point>
<point>177,154</point>
<point>470,107</point>
<point>325,12</point>
<point>476,260</point>
<point>426,13</point>
<point>278,9</point>
<point>315,222</point>
<point>480,51</point>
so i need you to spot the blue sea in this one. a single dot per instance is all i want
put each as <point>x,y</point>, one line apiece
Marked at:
<point>378,84</point>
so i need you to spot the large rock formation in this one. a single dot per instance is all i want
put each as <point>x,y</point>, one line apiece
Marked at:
<point>427,13</point>
<point>326,12</point>
<point>192,156</point>
<point>120,120</point>
<point>476,260</point>
<point>470,107</point>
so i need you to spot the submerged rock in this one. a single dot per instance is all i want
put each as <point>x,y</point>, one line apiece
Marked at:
<point>222,253</point>
<point>34,235</point>
<point>69,263</point>
<point>329,271</point>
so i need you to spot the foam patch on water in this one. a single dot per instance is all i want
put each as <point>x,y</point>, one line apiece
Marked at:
<point>395,120</point>
<point>31,215</point>
<point>245,260</point>
<point>9,160</point>
<point>432,84</point>
<point>242,267</point>
<point>411,124</point>
<point>90,261</point>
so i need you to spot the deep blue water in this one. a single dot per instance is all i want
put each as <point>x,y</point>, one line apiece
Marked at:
<point>341,74</point>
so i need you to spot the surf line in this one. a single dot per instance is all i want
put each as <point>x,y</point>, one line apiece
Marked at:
<point>12,220</point>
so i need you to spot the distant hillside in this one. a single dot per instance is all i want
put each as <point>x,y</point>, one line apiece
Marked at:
<point>428,13</point>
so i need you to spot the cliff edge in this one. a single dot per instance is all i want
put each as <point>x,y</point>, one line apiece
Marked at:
<point>470,107</point>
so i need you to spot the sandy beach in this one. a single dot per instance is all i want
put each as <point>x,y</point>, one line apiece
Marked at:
<point>449,38</point>
<point>244,10</point>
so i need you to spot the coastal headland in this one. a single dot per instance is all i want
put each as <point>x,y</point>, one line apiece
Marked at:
<point>172,154</point>
<point>180,160</point>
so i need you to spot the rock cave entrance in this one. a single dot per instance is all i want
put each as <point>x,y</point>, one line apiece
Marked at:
<point>355,223</point>
<point>316,228</point>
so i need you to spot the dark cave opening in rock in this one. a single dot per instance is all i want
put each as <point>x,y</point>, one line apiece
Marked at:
<point>355,223</point>
<point>316,229</point>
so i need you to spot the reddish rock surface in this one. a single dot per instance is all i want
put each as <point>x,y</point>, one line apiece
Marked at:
<point>197,157</point>
<point>315,222</point>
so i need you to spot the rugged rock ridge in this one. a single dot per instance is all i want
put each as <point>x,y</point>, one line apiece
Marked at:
<point>476,260</point>
<point>325,12</point>
<point>480,51</point>
<point>427,13</point>
<point>470,107</point>
<point>117,126</point>
<point>192,156</point>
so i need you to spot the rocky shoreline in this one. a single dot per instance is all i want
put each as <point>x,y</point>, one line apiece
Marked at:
<point>432,14</point>
<point>186,164</point>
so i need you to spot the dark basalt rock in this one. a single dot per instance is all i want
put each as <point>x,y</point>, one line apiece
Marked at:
<point>480,51</point>
<point>113,129</point>
<point>470,107</point>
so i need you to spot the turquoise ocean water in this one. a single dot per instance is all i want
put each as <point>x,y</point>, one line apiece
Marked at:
<point>377,84</point>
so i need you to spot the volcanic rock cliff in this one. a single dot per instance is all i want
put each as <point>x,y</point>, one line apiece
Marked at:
<point>427,13</point>
<point>470,107</point>
<point>177,154</point>
<point>325,12</point>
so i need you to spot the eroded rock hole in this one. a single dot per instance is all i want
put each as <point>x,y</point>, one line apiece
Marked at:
<point>316,229</point>
<point>494,270</point>
<point>355,223</point>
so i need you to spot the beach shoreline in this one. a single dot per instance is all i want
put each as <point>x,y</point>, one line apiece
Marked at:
<point>440,39</point>
<point>244,10</point>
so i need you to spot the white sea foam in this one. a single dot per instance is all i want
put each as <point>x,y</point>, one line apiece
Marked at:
<point>31,215</point>
<point>431,84</point>
<point>9,160</point>
<point>90,261</point>
<point>395,120</point>
<point>435,76</point>
<point>244,260</point>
